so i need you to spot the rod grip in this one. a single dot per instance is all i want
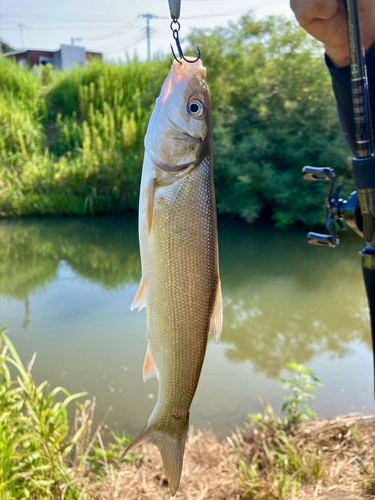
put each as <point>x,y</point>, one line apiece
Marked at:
<point>364,172</point>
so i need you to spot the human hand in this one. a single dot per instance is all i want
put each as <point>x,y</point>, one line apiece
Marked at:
<point>325,20</point>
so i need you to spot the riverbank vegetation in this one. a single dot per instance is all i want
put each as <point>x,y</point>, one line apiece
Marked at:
<point>71,143</point>
<point>42,457</point>
<point>324,460</point>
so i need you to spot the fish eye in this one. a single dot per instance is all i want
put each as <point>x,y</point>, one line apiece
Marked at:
<point>196,108</point>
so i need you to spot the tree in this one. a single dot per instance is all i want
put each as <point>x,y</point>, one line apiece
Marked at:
<point>274,112</point>
<point>6,47</point>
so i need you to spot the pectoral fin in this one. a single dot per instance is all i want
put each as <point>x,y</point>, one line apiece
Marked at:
<point>150,195</point>
<point>140,297</point>
<point>216,324</point>
<point>149,368</point>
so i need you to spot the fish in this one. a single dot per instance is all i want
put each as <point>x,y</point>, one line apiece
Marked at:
<point>180,285</point>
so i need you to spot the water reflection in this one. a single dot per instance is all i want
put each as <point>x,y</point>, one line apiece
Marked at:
<point>286,300</point>
<point>103,251</point>
<point>283,299</point>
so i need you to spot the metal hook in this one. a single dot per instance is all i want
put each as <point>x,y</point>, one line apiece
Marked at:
<point>179,48</point>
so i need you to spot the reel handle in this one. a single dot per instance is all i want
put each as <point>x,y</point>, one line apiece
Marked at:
<point>320,240</point>
<point>314,174</point>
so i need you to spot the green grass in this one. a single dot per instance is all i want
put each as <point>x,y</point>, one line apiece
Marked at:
<point>273,464</point>
<point>273,461</point>
<point>42,456</point>
<point>74,147</point>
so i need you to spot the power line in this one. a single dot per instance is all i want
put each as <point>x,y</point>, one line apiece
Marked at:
<point>128,46</point>
<point>62,20</point>
<point>123,40</point>
<point>223,14</point>
<point>53,28</point>
<point>108,20</point>
<point>124,47</point>
<point>135,23</point>
<point>118,20</point>
<point>132,36</point>
<point>149,32</point>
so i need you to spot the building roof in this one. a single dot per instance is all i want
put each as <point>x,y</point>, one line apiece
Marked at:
<point>14,53</point>
<point>23,51</point>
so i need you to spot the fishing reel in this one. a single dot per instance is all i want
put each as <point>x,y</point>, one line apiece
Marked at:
<point>336,208</point>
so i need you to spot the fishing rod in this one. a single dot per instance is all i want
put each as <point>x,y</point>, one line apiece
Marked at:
<point>359,209</point>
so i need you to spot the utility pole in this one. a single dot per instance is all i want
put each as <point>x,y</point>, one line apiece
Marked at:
<point>21,26</point>
<point>148,18</point>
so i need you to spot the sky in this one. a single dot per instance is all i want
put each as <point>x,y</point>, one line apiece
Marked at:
<point>114,26</point>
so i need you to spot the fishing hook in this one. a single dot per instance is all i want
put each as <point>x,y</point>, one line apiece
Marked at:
<point>179,48</point>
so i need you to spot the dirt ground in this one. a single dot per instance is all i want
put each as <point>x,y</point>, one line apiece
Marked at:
<point>345,447</point>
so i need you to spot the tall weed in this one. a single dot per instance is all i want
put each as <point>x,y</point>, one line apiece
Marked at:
<point>41,457</point>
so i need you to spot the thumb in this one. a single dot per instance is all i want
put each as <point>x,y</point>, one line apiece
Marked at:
<point>308,10</point>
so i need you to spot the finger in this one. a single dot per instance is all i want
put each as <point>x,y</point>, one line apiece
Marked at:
<point>307,10</point>
<point>365,4</point>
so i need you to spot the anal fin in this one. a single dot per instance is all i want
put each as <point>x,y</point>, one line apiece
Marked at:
<point>216,324</point>
<point>140,297</point>
<point>149,367</point>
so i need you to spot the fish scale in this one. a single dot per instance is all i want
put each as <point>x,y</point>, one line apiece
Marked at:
<point>185,298</point>
<point>180,283</point>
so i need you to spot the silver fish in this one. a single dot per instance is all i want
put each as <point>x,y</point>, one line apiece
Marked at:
<point>180,282</point>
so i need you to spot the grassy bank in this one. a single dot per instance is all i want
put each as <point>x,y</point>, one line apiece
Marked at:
<point>71,143</point>
<point>73,147</point>
<point>43,457</point>
<point>327,459</point>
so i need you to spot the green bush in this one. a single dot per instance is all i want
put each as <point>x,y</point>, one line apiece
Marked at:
<point>296,408</point>
<point>20,84</point>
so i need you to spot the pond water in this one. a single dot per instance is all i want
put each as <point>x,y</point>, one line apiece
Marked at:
<point>66,286</point>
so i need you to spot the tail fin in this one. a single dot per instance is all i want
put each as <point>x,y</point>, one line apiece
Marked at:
<point>171,450</point>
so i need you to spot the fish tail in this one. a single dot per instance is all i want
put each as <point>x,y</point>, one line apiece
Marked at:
<point>171,450</point>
